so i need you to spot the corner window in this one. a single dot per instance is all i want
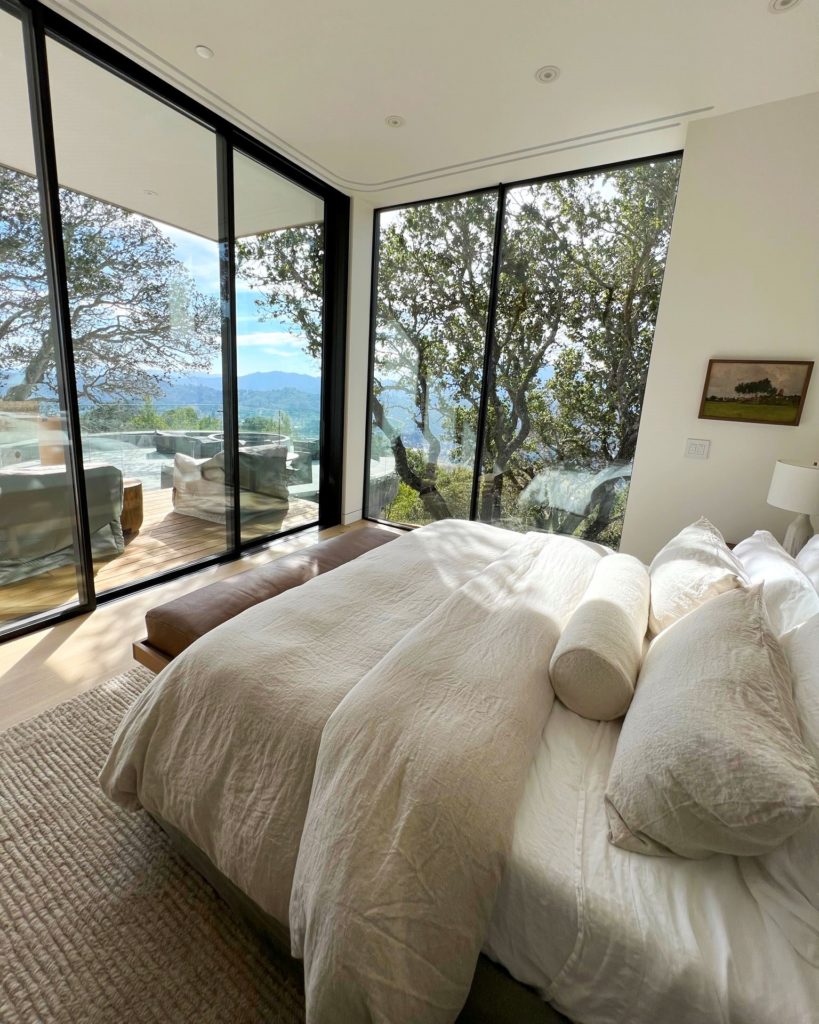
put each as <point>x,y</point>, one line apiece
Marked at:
<point>554,386</point>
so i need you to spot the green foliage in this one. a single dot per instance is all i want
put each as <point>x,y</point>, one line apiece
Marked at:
<point>278,424</point>
<point>117,417</point>
<point>137,319</point>
<point>763,388</point>
<point>579,289</point>
<point>774,410</point>
<point>455,484</point>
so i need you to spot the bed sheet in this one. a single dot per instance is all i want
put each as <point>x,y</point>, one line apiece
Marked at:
<point>609,936</point>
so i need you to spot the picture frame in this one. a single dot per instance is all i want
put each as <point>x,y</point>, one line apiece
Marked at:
<point>770,391</point>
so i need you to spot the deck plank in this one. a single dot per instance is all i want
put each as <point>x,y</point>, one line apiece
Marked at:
<point>167,540</point>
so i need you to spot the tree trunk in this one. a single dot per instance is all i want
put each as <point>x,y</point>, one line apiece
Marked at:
<point>34,373</point>
<point>428,492</point>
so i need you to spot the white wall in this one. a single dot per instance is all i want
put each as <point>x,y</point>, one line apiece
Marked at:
<point>742,279</point>
<point>358,340</point>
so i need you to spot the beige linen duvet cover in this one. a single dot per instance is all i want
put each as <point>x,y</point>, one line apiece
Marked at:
<point>428,657</point>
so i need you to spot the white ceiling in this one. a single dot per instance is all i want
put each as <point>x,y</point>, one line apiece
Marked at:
<point>116,143</point>
<point>315,79</point>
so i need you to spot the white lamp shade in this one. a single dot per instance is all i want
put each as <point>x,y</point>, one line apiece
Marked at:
<point>795,488</point>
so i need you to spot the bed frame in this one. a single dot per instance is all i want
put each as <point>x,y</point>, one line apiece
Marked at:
<point>495,997</point>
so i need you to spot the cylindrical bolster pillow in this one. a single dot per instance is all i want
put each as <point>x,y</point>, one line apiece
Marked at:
<point>595,664</point>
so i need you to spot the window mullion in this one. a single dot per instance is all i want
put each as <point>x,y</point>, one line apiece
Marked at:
<point>56,273</point>
<point>230,379</point>
<point>488,352</point>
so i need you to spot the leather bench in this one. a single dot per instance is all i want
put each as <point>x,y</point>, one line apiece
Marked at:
<point>173,626</point>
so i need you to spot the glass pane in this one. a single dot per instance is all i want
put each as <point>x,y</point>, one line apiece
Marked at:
<point>434,271</point>
<point>38,547</point>
<point>279,307</point>
<point>581,271</point>
<point>139,206</point>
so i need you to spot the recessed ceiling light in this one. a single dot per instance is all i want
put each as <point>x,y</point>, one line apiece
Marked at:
<point>547,74</point>
<point>203,51</point>
<point>394,121</point>
<point>780,6</point>
<point>150,192</point>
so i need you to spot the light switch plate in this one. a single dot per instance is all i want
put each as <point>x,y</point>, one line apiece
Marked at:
<point>697,448</point>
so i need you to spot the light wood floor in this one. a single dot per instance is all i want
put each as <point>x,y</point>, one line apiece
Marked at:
<point>54,664</point>
<point>165,541</point>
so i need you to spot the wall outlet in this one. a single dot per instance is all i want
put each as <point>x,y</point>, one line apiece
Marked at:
<point>697,448</point>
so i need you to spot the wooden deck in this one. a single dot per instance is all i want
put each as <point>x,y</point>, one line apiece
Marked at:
<point>166,541</point>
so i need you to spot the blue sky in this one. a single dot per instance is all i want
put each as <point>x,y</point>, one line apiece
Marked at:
<point>262,345</point>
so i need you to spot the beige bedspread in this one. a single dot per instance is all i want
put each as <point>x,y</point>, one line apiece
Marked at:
<point>440,642</point>
<point>419,774</point>
<point>223,745</point>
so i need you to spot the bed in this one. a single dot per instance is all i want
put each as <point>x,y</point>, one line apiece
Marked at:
<point>288,762</point>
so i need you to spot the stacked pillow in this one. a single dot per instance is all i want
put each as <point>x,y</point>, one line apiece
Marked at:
<point>694,567</point>
<point>710,757</point>
<point>790,597</point>
<point>784,882</point>
<point>808,560</point>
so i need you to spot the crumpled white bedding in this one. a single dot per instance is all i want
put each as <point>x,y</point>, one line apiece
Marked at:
<point>612,936</point>
<point>420,769</point>
<point>223,746</point>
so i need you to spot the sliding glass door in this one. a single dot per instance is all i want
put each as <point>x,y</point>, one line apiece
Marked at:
<point>138,196</point>
<point>554,388</point>
<point>39,532</point>
<point>172,329</point>
<point>280,248</point>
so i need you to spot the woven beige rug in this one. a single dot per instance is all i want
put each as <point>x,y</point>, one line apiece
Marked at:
<point>100,921</point>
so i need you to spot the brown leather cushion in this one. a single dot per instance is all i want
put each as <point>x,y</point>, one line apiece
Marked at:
<point>174,626</point>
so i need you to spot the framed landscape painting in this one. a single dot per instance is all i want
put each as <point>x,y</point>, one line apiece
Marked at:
<point>756,390</point>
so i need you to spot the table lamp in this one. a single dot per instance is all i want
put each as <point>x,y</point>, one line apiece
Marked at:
<point>796,489</point>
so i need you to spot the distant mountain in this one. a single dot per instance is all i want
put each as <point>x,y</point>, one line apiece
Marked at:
<point>271,380</point>
<point>260,394</point>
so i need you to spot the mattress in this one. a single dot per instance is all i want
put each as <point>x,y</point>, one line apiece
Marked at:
<point>607,935</point>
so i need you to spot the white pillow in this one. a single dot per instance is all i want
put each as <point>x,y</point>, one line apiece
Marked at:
<point>785,882</point>
<point>801,646</point>
<point>595,663</point>
<point>790,596</point>
<point>808,560</point>
<point>710,758</point>
<point>693,567</point>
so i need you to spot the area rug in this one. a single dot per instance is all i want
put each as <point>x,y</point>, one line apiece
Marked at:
<point>100,920</point>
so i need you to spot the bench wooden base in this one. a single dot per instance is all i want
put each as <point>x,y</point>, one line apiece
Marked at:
<point>149,656</point>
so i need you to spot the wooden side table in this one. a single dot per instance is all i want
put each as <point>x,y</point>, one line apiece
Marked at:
<point>131,517</point>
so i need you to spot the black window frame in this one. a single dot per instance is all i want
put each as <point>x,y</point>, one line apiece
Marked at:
<point>40,23</point>
<point>501,190</point>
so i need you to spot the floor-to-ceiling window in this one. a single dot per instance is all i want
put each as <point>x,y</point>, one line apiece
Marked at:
<point>171,329</point>
<point>432,300</point>
<point>280,305</point>
<point>39,557</point>
<point>555,387</point>
<point>138,198</point>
